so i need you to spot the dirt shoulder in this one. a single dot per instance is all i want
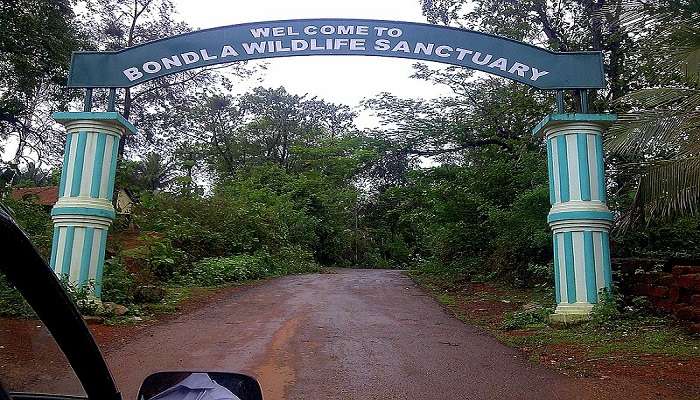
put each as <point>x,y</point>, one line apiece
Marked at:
<point>653,358</point>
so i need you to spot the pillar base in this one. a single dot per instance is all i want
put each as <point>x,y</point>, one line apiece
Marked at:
<point>567,314</point>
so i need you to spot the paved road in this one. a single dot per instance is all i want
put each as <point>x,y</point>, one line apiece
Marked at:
<point>354,334</point>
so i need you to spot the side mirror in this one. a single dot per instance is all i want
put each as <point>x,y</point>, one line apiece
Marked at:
<point>187,385</point>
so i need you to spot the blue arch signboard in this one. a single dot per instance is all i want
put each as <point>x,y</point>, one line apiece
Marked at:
<point>511,59</point>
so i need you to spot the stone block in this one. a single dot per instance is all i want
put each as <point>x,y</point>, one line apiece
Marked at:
<point>695,328</point>
<point>658,291</point>
<point>683,312</point>
<point>673,293</point>
<point>667,279</point>
<point>149,294</point>
<point>685,269</point>
<point>695,300</point>
<point>696,314</point>
<point>689,281</point>
<point>642,289</point>
<point>115,309</point>
<point>568,319</point>
<point>664,305</point>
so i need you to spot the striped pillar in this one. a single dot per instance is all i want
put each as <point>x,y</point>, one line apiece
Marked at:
<point>84,211</point>
<point>579,217</point>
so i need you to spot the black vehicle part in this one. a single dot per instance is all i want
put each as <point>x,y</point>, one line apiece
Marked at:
<point>43,396</point>
<point>30,274</point>
<point>3,393</point>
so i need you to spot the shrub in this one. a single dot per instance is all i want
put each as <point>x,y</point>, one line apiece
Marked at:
<point>606,312</point>
<point>35,221</point>
<point>221,270</point>
<point>541,274</point>
<point>294,260</point>
<point>157,256</point>
<point>83,296</point>
<point>117,283</point>
<point>522,240</point>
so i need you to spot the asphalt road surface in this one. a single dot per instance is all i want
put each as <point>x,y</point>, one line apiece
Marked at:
<point>354,334</point>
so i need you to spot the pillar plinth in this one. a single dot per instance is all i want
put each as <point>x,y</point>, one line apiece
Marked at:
<point>579,217</point>
<point>83,213</point>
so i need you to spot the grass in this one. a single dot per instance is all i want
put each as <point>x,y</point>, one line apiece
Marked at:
<point>501,313</point>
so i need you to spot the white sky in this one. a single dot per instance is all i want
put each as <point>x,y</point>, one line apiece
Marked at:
<point>339,79</point>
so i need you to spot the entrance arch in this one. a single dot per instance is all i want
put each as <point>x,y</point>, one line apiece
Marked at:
<point>579,218</point>
<point>496,55</point>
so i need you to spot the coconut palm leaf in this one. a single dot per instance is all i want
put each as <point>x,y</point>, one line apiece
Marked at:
<point>655,133</point>
<point>666,189</point>
<point>685,53</point>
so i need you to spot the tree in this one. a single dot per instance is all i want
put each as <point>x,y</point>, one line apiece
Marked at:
<point>35,48</point>
<point>118,24</point>
<point>563,25</point>
<point>152,173</point>
<point>258,127</point>
<point>285,120</point>
<point>659,140</point>
<point>485,113</point>
<point>34,175</point>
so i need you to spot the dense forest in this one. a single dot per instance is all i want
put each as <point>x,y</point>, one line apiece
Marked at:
<point>239,186</point>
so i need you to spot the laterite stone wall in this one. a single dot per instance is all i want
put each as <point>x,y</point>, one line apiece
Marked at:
<point>672,289</point>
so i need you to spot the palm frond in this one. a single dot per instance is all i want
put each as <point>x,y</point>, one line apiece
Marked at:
<point>684,46</point>
<point>650,133</point>
<point>667,189</point>
<point>678,97</point>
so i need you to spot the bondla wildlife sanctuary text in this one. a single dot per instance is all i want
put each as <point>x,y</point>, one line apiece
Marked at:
<point>499,56</point>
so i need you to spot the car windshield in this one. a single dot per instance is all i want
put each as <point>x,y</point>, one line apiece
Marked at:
<point>30,359</point>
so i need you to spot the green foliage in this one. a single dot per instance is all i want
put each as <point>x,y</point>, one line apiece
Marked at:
<point>522,240</point>
<point>82,296</point>
<point>480,221</point>
<point>675,239</point>
<point>12,304</point>
<point>268,208</point>
<point>294,260</point>
<point>35,48</point>
<point>157,255</point>
<point>242,267</point>
<point>658,141</point>
<point>221,270</point>
<point>153,172</point>
<point>606,312</point>
<point>35,220</point>
<point>117,283</point>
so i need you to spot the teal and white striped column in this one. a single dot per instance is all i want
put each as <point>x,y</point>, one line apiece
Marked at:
<point>84,210</point>
<point>579,217</point>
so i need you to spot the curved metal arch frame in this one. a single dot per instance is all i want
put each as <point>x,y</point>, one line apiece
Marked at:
<point>571,70</point>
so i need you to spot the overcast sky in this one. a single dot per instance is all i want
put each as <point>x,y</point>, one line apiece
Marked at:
<point>340,79</point>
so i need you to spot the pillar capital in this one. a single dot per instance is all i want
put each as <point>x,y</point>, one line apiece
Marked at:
<point>108,122</point>
<point>555,123</point>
